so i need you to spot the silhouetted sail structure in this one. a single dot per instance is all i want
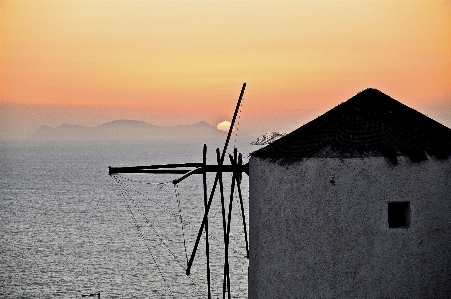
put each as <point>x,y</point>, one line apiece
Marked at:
<point>236,168</point>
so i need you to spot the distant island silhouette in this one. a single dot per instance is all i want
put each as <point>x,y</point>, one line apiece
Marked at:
<point>127,129</point>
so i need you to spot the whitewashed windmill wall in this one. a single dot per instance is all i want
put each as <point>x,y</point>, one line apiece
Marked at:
<point>355,204</point>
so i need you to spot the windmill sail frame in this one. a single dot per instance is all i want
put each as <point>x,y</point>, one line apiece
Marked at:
<point>236,168</point>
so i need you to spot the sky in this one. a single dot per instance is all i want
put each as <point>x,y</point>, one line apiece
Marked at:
<point>181,62</point>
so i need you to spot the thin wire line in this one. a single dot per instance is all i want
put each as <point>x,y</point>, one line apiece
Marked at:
<point>145,196</point>
<point>153,229</point>
<point>161,184</point>
<point>181,222</point>
<point>142,236</point>
<point>123,191</point>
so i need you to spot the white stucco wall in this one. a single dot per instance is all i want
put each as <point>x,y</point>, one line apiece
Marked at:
<point>310,238</point>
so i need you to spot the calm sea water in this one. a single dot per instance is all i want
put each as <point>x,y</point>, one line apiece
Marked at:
<point>68,228</point>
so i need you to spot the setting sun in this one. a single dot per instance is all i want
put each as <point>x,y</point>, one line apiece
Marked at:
<point>223,126</point>
<point>180,62</point>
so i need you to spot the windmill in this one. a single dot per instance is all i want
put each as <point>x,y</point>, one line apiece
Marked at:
<point>236,168</point>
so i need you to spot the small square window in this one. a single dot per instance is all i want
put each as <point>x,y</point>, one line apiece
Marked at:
<point>399,214</point>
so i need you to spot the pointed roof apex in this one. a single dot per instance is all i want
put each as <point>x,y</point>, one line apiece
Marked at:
<point>369,124</point>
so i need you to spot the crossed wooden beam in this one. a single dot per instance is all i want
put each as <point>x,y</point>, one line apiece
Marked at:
<point>236,168</point>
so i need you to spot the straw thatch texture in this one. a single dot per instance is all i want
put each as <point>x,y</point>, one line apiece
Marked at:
<point>369,124</point>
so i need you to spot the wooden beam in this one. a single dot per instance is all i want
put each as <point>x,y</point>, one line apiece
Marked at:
<point>170,165</point>
<point>198,170</point>
<point>201,229</point>
<point>189,173</point>
<point>117,170</point>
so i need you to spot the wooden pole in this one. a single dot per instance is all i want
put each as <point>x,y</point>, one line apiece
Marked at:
<point>207,247</point>
<point>191,172</point>
<point>232,124</point>
<point>229,218</point>
<point>243,216</point>
<point>224,226</point>
<point>201,229</point>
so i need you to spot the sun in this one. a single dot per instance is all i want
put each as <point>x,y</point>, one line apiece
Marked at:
<point>223,126</point>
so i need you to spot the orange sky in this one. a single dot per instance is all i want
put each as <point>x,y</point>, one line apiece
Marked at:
<point>180,62</point>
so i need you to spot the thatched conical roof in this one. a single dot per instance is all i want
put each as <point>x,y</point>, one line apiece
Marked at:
<point>369,124</point>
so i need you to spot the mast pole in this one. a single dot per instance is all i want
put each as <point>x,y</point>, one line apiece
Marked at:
<point>224,225</point>
<point>238,185</point>
<point>207,246</point>
<point>193,254</point>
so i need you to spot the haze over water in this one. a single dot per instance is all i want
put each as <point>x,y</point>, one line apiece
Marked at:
<point>67,230</point>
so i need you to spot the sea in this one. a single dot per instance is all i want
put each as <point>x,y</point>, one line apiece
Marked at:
<point>70,229</point>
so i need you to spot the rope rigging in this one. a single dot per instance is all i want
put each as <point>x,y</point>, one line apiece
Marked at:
<point>129,198</point>
<point>151,226</point>
<point>181,222</point>
<point>161,184</point>
<point>120,181</point>
<point>138,228</point>
<point>177,216</point>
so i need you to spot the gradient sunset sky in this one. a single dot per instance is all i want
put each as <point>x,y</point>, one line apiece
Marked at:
<point>180,62</point>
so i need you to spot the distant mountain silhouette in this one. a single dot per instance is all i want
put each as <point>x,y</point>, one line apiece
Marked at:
<point>127,129</point>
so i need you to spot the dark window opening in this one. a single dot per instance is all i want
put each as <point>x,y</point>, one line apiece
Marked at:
<point>398,214</point>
